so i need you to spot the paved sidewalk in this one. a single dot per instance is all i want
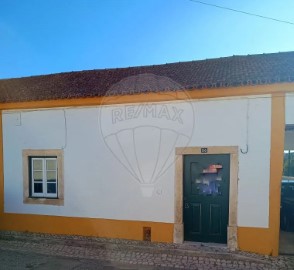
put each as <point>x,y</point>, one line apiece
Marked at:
<point>43,251</point>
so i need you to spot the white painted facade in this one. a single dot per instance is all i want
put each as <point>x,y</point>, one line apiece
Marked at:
<point>98,185</point>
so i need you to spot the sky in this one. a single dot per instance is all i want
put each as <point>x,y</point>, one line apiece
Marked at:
<point>52,36</point>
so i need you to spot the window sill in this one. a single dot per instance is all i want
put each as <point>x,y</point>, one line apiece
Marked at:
<point>46,201</point>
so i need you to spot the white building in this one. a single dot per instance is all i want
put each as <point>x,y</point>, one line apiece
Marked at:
<point>185,151</point>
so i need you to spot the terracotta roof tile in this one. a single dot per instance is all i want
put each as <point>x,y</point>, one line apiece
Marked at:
<point>211,73</point>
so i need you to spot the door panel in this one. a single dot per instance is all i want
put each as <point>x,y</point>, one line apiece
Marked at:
<point>196,217</point>
<point>215,219</point>
<point>206,197</point>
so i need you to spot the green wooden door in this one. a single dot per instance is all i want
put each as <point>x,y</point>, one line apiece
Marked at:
<point>206,197</point>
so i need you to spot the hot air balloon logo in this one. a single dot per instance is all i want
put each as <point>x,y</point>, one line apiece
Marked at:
<point>143,136</point>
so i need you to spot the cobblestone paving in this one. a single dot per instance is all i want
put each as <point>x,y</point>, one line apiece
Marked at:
<point>41,251</point>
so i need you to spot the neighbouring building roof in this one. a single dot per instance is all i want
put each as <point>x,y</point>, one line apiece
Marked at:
<point>212,73</point>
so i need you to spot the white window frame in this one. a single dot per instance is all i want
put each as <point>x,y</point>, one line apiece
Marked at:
<point>30,197</point>
<point>44,182</point>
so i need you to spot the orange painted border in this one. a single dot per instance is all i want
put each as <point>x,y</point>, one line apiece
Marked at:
<point>262,240</point>
<point>160,232</point>
<point>279,88</point>
<point>257,240</point>
<point>276,168</point>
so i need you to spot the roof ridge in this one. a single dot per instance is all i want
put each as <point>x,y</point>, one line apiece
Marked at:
<point>148,66</point>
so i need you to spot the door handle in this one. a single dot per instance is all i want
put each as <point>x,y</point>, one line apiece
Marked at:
<point>186,205</point>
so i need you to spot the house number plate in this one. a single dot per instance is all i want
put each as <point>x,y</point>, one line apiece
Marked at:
<point>204,150</point>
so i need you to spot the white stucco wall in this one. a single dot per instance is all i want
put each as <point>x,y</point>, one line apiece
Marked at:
<point>97,183</point>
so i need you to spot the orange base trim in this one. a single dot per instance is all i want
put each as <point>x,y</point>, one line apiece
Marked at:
<point>257,240</point>
<point>160,232</point>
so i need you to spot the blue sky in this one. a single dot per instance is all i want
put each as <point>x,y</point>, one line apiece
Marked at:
<point>51,36</point>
